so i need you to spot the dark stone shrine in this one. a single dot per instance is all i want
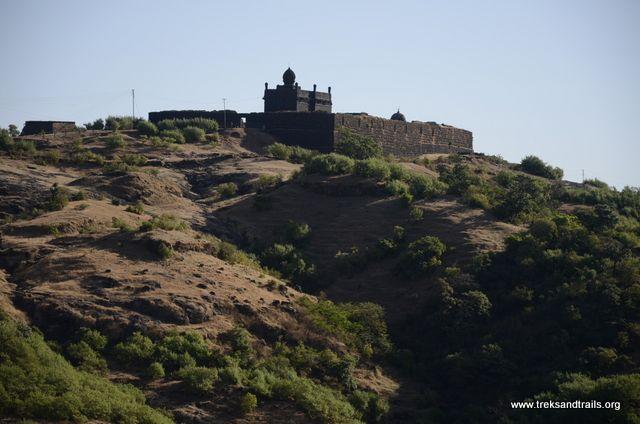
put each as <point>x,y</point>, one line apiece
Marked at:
<point>289,97</point>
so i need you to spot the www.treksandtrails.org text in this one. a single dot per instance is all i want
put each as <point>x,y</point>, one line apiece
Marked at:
<point>576,404</point>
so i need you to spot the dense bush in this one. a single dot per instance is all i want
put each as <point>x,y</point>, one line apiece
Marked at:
<point>397,187</point>
<point>36,383</point>
<point>168,222</point>
<point>422,186</point>
<point>524,199</point>
<point>208,125</point>
<point>330,164</point>
<point>458,179</point>
<point>535,166</point>
<point>193,134</point>
<point>114,141</point>
<point>147,128</point>
<point>227,190</point>
<point>287,260</point>
<point>114,123</point>
<point>265,182</point>
<point>375,168</point>
<point>172,136</point>
<point>360,325</point>
<point>6,141</point>
<point>98,124</point>
<point>295,233</point>
<point>198,379</point>
<point>356,146</point>
<point>248,403</point>
<point>58,198</point>
<point>422,256</point>
<point>295,154</point>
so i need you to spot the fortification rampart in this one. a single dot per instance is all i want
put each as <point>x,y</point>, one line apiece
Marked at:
<point>406,139</point>
<point>47,127</point>
<point>311,130</point>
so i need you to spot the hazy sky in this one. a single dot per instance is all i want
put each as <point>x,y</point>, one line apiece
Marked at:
<point>559,79</point>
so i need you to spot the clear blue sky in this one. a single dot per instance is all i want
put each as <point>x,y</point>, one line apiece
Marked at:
<point>559,79</point>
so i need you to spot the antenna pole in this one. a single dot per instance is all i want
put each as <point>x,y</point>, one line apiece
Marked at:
<point>133,103</point>
<point>224,111</point>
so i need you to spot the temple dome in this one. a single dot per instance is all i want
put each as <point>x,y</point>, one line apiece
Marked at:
<point>398,116</point>
<point>289,77</point>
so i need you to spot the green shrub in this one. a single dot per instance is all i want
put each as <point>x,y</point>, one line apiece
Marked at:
<point>164,250</point>
<point>397,187</point>
<point>458,179</point>
<point>227,190</point>
<point>179,350</point>
<point>351,261</point>
<point>134,160</point>
<point>594,182</point>
<point>422,186</point>
<point>121,225</point>
<point>372,407</point>
<point>114,141</point>
<point>6,141</point>
<point>155,370</point>
<point>356,146</point>
<point>423,256</point>
<point>279,151</point>
<point>147,128</point>
<point>37,383</point>
<point>167,124</point>
<point>86,357</point>
<point>330,164</point>
<point>137,349</point>
<point>114,123</point>
<point>137,208</point>
<point>294,232</point>
<point>24,148</point>
<point>287,260</point>
<point>535,166</point>
<point>524,199</point>
<point>58,198</point>
<point>375,168</point>
<point>416,213</point>
<point>172,136</point>
<point>248,403</point>
<point>208,125</point>
<point>167,222</point>
<point>13,130</point>
<point>50,157</point>
<point>357,324</point>
<point>98,124</point>
<point>265,182</point>
<point>193,134</point>
<point>96,340</point>
<point>199,380</point>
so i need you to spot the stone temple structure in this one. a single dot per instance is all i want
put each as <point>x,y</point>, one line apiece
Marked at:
<point>289,97</point>
<point>304,118</point>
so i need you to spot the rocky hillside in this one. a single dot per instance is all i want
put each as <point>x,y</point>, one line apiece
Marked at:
<point>189,274</point>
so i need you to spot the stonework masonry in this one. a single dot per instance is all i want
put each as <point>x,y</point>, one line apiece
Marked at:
<point>47,127</point>
<point>406,139</point>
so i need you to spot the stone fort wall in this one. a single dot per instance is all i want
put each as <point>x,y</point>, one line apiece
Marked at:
<point>406,139</point>
<point>47,127</point>
<point>311,130</point>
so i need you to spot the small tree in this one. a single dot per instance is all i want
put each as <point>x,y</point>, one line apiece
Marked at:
<point>248,403</point>
<point>357,146</point>
<point>13,130</point>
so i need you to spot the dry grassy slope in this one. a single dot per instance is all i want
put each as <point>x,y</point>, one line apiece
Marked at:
<point>70,268</point>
